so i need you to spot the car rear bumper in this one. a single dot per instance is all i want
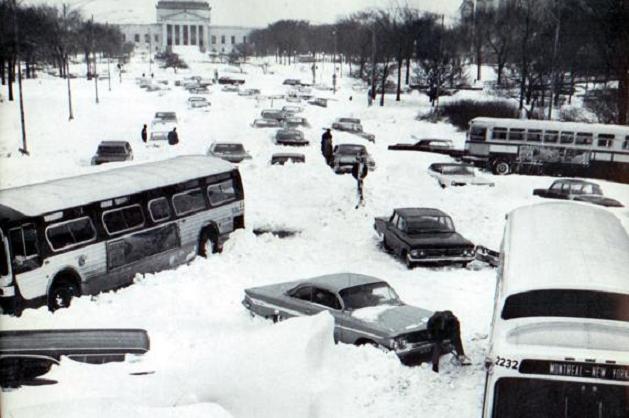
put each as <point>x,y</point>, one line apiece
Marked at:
<point>445,258</point>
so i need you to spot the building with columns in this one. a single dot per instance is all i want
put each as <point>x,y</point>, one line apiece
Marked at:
<point>184,23</point>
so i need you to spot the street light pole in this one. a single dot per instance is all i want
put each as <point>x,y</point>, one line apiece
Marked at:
<point>67,65</point>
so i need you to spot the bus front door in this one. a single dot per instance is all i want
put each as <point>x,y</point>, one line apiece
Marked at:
<point>7,288</point>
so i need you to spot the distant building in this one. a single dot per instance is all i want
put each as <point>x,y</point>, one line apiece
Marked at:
<point>184,23</point>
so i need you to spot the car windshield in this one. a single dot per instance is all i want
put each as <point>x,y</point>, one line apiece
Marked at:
<point>351,149</point>
<point>111,149</point>
<point>429,223</point>
<point>567,303</point>
<point>459,170</point>
<point>373,294</point>
<point>229,148</point>
<point>289,135</point>
<point>166,116</point>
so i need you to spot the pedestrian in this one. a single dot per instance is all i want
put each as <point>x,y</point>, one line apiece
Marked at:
<point>144,134</point>
<point>326,146</point>
<point>215,76</point>
<point>369,97</point>
<point>359,172</point>
<point>173,138</point>
<point>444,326</point>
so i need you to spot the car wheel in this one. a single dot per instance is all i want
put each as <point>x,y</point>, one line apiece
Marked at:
<point>61,294</point>
<point>502,168</point>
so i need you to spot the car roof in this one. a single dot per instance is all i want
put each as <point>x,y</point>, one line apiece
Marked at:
<point>114,143</point>
<point>574,181</point>
<point>289,131</point>
<point>226,143</point>
<point>412,212</point>
<point>288,155</point>
<point>339,281</point>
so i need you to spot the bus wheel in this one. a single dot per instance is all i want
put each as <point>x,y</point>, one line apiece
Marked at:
<point>501,168</point>
<point>61,294</point>
<point>208,243</point>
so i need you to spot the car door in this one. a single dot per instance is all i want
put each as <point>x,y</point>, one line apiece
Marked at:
<point>324,300</point>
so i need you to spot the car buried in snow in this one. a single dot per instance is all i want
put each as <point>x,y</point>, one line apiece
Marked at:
<point>454,174</point>
<point>195,102</point>
<point>266,123</point>
<point>441,146</point>
<point>229,151</point>
<point>423,236</point>
<point>366,310</point>
<point>290,137</point>
<point>164,121</point>
<point>352,125</point>
<point>292,109</point>
<point>249,92</point>
<point>112,151</point>
<point>230,88</point>
<point>579,190</point>
<point>282,158</point>
<point>230,80</point>
<point>296,122</point>
<point>277,114</point>
<point>345,156</point>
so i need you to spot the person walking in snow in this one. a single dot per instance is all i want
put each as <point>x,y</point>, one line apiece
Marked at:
<point>359,172</point>
<point>326,146</point>
<point>144,134</point>
<point>443,326</point>
<point>173,137</point>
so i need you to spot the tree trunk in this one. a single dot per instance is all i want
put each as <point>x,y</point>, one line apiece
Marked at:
<point>2,73</point>
<point>408,70</point>
<point>87,61</point>
<point>385,73</point>
<point>399,77</point>
<point>11,76</point>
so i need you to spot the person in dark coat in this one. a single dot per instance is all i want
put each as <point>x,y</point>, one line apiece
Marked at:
<point>443,326</point>
<point>359,172</point>
<point>173,137</point>
<point>144,134</point>
<point>327,146</point>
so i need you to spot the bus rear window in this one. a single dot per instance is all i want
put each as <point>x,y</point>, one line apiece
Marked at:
<point>567,303</point>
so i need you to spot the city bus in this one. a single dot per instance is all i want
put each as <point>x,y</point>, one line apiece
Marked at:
<point>541,147</point>
<point>559,344</point>
<point>86,234</point>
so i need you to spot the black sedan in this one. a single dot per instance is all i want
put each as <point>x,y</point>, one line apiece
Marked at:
<point>292,137</point>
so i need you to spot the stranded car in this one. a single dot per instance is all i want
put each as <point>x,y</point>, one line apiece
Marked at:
<point>197,102</point>
<point>319,101</point>
<point>230,80</point>
<point>427,145</point>
<point>293,137</point>
<point>283,158</point>
<point>167,119</point>
<point>158,136</point>
<point>344,156</point>
<point>230,88</point>
<point>423,235</point>
<point>454,174</point>
<point>579,190</point>
<point>112,151</point>
<point>249,92</point>
<point>275,114</point>
<point>292,82</point>
<point>229,151</point>
<point>295,122</point>
<point>293,109</point>
<point>352,125</point>
<point>366,310</point>
<point>266,123</point>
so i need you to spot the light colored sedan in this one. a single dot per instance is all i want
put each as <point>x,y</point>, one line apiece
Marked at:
<point>229,151</point>
<point>366,310</point>
<point>453,174</point>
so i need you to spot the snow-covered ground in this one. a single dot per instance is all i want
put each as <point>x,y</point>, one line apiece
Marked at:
<point>209,358</point>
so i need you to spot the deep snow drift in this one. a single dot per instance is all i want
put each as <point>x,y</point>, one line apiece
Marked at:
<point>208,357</point>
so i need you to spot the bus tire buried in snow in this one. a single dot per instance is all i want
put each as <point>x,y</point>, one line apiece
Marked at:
<point>209,242</point>
<point>63,289</point>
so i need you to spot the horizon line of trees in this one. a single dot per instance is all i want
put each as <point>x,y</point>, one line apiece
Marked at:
<point>539,48</point>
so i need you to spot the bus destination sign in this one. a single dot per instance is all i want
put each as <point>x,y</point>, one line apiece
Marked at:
<point>574,369</point>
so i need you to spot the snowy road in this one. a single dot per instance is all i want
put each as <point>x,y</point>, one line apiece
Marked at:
<point>208,356</point>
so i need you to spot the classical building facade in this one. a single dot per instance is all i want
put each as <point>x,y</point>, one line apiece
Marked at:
<point>184,23</point>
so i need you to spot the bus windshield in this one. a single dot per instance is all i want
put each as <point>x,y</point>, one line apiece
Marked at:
<point>567,303</point>
<point>519,398</point>
<point>4,260</point>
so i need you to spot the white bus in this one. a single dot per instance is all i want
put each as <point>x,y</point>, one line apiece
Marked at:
<point>559,343</point>
<point>85,234</point>
<point>549,147</point>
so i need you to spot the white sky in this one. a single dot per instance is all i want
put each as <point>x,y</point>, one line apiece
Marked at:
<point>257,13</point>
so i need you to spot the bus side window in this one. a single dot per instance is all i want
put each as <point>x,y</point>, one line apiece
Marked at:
<point>499,133</point>
<point>516,134</point>
<point>551,137</point>
<point>534,135</point>
<point>584,138</point>
<point>567,137</point>
<point>625,144</point>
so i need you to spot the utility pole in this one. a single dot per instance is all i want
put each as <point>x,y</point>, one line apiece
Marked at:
<point>439,63</point>
<point>553,79</point>
<point>67,64</point>
<point>24,149</point>
<point>95,74</point>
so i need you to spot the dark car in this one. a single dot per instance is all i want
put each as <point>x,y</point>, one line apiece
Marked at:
<point>366,310</point>
<point>423,236</point>
<point>344,156</point>
<point>579,190</point>
<point>230,80</point>
<point>277,114</point>
<point>292,82</point>
<point>112,151</point>
<point>266,123</point>
<point>293,137</point>
<point>283,158</point>
<point>427,145</point>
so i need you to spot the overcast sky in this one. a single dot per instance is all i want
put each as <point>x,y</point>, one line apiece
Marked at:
<point>257,13</point>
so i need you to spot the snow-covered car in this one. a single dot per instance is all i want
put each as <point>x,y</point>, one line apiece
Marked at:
<point>579,190</point>
<point>423,235</point>
<point>229,151</point>
<point>454,174</point>
<point>352,125</point>
<point>199,90</point>
<point>295,122</point>
<point>112,151</point>
<point>197,102</point>
<point>366,310</point>
<point>282,158</point>
<point>344,156</point>
<point>249,92</point>
<point>293,109</point>
<point>164,121</point>
<point>275,114</point>
<point>230,80</point>
<point>291,137</point>
<point>292,82</point>
<point>232,88</point>
<point>426,145</point>
<point>319,101</point>
<point>158,137</point>
<point>266,123</point>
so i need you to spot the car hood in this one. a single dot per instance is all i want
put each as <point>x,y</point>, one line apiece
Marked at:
<point>599,200</point>
<point>480,181</point>
<point>395,320</point>
<point>437,239</point>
